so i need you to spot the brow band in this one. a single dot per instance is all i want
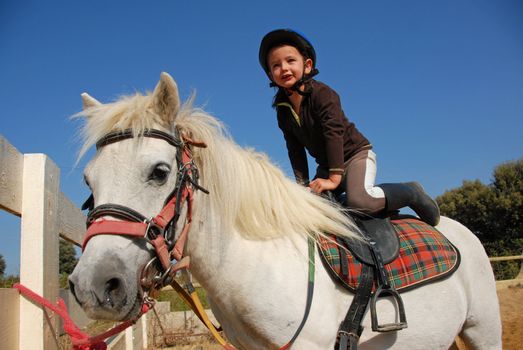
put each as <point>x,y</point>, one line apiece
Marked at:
<point>116,136</point>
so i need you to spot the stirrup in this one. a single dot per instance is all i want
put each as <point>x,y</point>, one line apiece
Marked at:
<point>387,327</point>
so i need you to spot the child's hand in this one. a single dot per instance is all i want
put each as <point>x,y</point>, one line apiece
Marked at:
<point>320,185</point>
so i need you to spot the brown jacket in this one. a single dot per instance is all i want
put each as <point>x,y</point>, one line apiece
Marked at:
<point>321,128</point>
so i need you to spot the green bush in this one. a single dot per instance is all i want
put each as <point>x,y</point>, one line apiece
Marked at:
<point>505,270</point>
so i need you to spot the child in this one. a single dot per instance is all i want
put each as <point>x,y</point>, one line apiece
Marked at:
<point>311,118</point>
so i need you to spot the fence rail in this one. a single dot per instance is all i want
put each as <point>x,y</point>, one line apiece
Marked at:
<point>506,258</point>
<point>519,277</point>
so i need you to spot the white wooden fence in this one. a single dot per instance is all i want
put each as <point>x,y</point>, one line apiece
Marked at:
<point>30,189</point>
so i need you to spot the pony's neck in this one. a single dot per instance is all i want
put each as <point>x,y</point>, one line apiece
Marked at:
<point>238,274</point>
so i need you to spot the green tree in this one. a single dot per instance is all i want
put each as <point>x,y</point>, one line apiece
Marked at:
<point>470,204</point>
<point>494,212</point>
<point>68,258</point>
<point>2,265</point>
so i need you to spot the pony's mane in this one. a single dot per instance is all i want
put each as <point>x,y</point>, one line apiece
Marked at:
<point>250,194</point>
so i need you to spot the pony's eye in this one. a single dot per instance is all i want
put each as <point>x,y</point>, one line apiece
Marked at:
<point>160,173</point>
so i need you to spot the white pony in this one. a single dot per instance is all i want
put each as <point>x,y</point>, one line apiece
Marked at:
<point>248,240</point>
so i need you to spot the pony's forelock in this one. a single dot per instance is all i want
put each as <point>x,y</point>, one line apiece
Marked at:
<point>128,112</point>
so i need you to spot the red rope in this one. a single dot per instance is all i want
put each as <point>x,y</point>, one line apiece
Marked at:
<point>80,340</point>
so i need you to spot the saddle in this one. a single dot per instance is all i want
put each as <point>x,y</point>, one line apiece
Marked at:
<point>369,267</point>
<point>379,246</point>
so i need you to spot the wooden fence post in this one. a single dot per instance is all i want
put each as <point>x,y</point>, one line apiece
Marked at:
<point>39,249</point>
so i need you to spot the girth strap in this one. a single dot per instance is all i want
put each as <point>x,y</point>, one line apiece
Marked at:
<point>350,328</point>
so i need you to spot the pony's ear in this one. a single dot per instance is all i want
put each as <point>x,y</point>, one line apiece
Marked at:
<point>165,98</point>
<point>88,101</point>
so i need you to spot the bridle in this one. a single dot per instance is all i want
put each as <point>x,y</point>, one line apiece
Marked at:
<point>159,231</point>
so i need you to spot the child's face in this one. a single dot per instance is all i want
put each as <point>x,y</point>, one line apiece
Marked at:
<point>287,65</point>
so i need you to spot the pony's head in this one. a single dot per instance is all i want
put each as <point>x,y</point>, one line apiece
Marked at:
<point>136,172</point>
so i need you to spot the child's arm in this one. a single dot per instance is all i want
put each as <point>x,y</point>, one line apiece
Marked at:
<point>329,113</point>
<point>296,152</point>
<point>298,159</point>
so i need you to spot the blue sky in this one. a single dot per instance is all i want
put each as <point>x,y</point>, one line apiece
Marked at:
<point>437,86</point>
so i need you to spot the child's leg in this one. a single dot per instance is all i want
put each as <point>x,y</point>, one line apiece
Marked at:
<point>411,194</point>
<point>360,175</point>
<point>362,195</point>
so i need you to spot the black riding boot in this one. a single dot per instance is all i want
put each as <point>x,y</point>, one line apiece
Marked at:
<point>411,194</point>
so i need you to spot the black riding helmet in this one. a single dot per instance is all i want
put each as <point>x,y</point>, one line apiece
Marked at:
<point>280,37</point>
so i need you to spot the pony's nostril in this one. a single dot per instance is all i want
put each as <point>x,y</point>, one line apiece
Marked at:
<point>112,290</point>
<point>71,289</point>
<point>112,285</point>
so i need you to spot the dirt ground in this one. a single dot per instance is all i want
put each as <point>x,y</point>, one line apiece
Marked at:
<point>511,308</point>
<point>511,305</point>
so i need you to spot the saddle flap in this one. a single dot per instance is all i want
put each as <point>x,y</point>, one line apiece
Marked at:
<point>380,233</point>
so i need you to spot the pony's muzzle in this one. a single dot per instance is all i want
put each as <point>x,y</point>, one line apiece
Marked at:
<point>107,293</point>
<point>104,294</point>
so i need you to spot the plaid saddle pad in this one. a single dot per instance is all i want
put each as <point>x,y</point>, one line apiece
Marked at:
<point>425,255</point>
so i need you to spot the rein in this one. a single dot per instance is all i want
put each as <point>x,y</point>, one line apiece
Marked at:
<point>159,232</point>
<point>80,340</point>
